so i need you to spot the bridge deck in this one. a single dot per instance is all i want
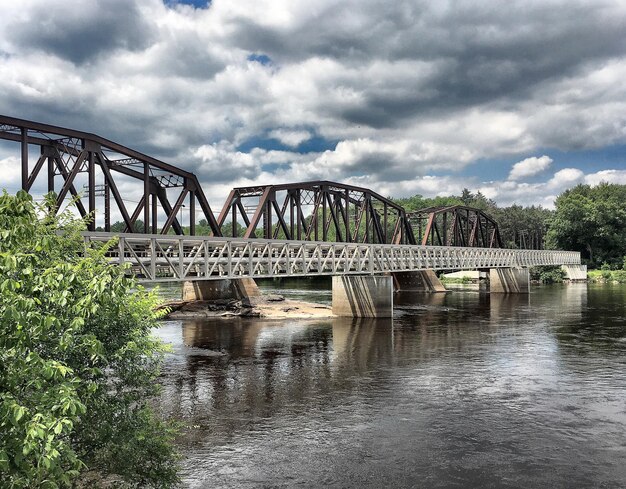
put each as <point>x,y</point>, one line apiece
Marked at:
<point>159,258</point>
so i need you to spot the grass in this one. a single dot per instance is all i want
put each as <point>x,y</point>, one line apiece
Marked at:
<point>607,276</point>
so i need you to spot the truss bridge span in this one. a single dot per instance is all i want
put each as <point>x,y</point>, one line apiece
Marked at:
<point>158,258</point>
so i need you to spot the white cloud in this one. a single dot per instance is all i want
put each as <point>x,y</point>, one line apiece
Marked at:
<point>10,172</point>
<point>566,177</point>
<point>529,167</point>
<point>421,89</point>
<point>290,138</point>
<point>608,176</point>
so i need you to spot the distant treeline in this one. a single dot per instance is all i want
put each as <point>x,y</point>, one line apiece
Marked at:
<point>520,227</point>
<point>588,219</point>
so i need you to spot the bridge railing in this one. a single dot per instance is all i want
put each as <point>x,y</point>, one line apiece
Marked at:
<point>159,258</point>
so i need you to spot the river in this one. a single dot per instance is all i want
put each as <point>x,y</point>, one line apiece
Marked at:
<point>462,389</point>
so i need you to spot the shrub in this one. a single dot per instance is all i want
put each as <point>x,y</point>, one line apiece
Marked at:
<point>547,274</point>
<point>77,362</point>
<point>619,276</point>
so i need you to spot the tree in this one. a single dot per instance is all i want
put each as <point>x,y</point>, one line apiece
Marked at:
<point>522,227</point>
<point>591,220</point>
<point>77,362</point>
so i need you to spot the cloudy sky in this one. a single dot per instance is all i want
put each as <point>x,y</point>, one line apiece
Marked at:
<point>517,99</point>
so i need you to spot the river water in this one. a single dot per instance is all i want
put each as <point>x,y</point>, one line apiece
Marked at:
<point>462,389</point>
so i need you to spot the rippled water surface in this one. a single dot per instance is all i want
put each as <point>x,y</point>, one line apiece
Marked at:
<point>462,389</point>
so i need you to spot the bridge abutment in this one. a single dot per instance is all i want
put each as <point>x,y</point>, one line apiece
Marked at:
<point>575,273</point>
<point>363,295</point>
<point>509,280</point>
<point>418,281</point>
<point>208,290</point>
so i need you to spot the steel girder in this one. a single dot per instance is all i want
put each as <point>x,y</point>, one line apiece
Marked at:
<point>66,153</point>
<point>455,225</point>
<point>315,211</point>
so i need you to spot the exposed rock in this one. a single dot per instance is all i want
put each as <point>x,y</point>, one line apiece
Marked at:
<point>263,306</point>
<point>273,298</point>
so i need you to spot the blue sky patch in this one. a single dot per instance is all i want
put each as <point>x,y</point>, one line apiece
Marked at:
<point>193,3</point>
<point>264,59</point>
<point>316,144</point>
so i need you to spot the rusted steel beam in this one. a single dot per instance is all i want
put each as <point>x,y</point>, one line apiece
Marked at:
<point>60,143</point>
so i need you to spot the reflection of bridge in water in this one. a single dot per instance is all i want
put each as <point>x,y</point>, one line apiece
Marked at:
<point>289,230</point>
<point>271,367</point>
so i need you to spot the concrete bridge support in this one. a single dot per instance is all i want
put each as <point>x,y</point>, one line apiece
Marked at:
<point>208,290</point>
<point>509,280</point>
<point>363,296</point>
<point>418,281</point>
<point>575,273</point>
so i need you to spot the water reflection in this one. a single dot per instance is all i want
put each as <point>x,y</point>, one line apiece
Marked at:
<point>459,389</point>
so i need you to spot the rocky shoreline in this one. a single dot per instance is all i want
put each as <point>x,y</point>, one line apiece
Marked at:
<point>265,306</point>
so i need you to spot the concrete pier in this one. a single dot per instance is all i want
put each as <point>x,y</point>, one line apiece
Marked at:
<point>575,273</point>
<point>208,290</point>
<point>418,281</point>
<point>363,296</point>
<point>509,280</point>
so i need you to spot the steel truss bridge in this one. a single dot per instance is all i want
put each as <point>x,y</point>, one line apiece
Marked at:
<point>157,258</point>
<point>297,229</point>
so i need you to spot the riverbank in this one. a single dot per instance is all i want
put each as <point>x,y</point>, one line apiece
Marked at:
<point>607,276</point>
<point>265,306</point>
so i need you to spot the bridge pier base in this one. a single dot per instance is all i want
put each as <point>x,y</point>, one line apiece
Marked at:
<point>208,290</point>
<point>363,296</point>
<point>509,280</point>
<point>575,273</point>
<point>418,281</point>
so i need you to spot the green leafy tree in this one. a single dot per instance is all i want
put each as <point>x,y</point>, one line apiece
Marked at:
<point>78,364</point>
<point>591,220</point>
<point>522,225</point>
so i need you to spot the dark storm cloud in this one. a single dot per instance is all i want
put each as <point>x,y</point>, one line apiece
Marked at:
<point>485,52</point>
<point>380,165</point>
<point>82,32</point>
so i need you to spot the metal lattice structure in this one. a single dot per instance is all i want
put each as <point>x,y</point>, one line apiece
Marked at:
<point>158,258</point>
<point>455,225</point>
<point>315,211</point>
<point>67,158</point>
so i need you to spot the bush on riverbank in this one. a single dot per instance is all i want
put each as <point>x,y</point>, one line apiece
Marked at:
<point>608,276</point>
<point>77,361</point>
<point>547,274</point>
<point>456,280</point>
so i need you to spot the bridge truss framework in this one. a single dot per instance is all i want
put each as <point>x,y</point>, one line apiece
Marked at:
<point>68,157</point>
<point>158,258</point>
<point>315,211</point>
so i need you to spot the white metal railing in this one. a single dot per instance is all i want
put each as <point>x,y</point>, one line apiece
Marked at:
<point>160,258</point>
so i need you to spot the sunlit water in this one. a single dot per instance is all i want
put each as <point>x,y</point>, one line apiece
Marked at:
<point>463,389</point>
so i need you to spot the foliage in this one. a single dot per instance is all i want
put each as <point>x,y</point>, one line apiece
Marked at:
<point>619,276</point>
<point>519,226</point>
<point>591,220</point>
<point>418,202</point>
<point>522,227</point>
<point>462,280</point>
<point>77,361</point>
<point>548,274</point>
